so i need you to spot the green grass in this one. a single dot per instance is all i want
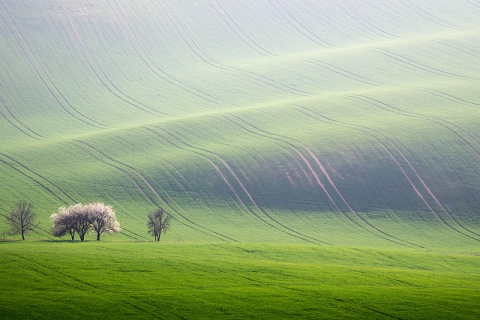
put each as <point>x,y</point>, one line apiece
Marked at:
<point>343,139</point>
<point>116,280</point>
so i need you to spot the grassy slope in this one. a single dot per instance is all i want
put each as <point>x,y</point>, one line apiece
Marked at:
<point>262,121</point>
<point>117,280</point>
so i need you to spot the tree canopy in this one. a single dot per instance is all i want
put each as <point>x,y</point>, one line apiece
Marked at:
<point>80,218</point>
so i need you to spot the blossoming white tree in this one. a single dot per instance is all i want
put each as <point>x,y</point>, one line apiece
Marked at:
<point>63,223</point>
<point>102,219</point>
<point>80,218</point>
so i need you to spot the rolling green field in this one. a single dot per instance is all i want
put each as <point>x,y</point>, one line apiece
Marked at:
<point>318,158</point>
<point>126,280</point>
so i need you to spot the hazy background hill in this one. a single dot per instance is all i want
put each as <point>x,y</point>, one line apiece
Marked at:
<point>339,122</point>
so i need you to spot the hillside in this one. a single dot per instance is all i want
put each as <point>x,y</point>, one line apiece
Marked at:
<point>327,122</point>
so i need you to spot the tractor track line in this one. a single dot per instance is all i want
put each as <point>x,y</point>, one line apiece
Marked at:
<point>161,73</point>
<point>274,224</point>
<point>88,121</point>
<point>80,43</point>
<point>232,25</point>
<point>421,66</point>
<point>361,21</point>
<point>27,131</point>
<point>399,111</point>
<point>436,120</point>
<point>212,62</point>
<point>366,130</point>
<point>49,190</point>
<point>297,25</point>
<point>191,224</point>
<point>317,161</point>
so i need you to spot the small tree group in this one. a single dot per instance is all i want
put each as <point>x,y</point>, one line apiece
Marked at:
<point>158,222</point>
<point>79,219</point>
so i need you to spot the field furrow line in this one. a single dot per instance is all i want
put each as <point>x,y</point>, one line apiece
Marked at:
<point>284,139</point>
<point>271,221</point>
<point>390,108</point>
<point>242,202</point>
<point>362,21</point>
<point>90,60</point>
<point>459,47</point>
<point>80,145</point>
<point>43,75</point>
<point>249,195</point>
<point>47,272</point>
<point>340,123</point>
<point>412,168</point>
<point>474,4</point>
<point>14,166</point>
<point>448,97</point>
<point>68,280</point>
<point>424,14</point>
<point>180,217</point>
<point>153,66</point>
<point>298,25</point>
<point>18,124</point>
<point>232,25</point>
<point>300,154</point>
<point>212,62</point>
<point>137,236</point>
<point>418,65</point>
<point>343,72</point>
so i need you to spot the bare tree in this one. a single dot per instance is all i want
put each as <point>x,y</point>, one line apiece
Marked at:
<point>22,219</point>
<point>102,219</point>
<point>158,222</point>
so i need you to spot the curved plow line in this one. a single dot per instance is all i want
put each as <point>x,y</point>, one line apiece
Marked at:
<point>115,91</point>
<point>135,234</point>
<point>98,158</point>
<point>78,283</point>
<point>447,96</point>
<point>161,73</point>
<point>421,66</point>
<point>48,84</point>
<point>190,223</point>
<point>424,14</point>
<point>364,23</point>
<point>35,230</point>
<point>275,224</point>
<point>409,114</point>
<point>458,47</point>
<point>212,62</point>
<point>446,121</point>
<point>322,186</point>
<point>365,130</point>
<point>474,4</point>
<point>217,168</point>
<point>20,124</point>
<point>332,183</point>
<point>343,72</point>
<point>33,179</point>
<point>297,25</point>
<point>436,120</point>
<point>48,272</point>
<point>240,33</point>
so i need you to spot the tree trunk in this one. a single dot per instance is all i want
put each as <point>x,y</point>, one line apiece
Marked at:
<point>98,236</point>
<point>23,236</point>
